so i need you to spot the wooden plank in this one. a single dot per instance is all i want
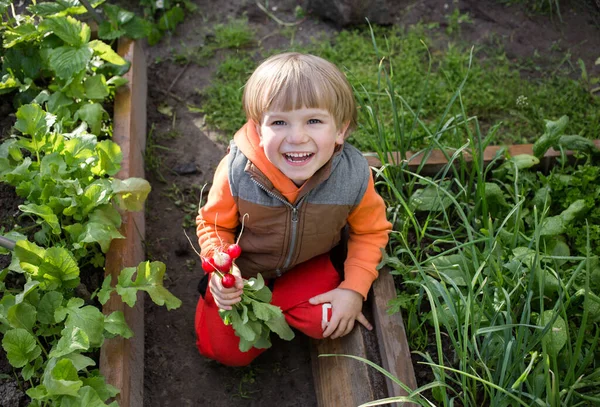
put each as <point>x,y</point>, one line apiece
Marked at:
<point>121,360</point>
<point>436,159</point>
<point>391,336</point>
<point>341,381</point>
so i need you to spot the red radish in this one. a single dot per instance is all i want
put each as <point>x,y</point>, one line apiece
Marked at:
<point>208,264</point>
<point>234,251</point>
<point>228,280</point>
<point>222,261</point>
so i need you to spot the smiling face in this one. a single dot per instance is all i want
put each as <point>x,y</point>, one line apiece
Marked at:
<point>299,142</point>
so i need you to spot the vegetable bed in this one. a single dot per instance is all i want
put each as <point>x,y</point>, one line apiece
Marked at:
<point>79,179</point>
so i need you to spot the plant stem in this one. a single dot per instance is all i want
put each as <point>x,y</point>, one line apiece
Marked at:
<point>92,11</point>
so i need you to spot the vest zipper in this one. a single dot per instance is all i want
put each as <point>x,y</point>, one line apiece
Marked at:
<point>294,224</point>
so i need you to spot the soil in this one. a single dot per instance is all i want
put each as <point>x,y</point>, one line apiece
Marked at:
<point>185,153</point>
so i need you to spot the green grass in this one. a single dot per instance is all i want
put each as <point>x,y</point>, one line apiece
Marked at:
<point>426,78</point>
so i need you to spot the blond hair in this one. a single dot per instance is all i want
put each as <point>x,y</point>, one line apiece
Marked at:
<point>292,81</point>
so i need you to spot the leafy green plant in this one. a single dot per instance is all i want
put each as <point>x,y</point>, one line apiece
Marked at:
<point>483,253</point>
<point>61,162</point>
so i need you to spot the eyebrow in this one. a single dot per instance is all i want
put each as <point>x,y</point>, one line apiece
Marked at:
<point>311,114</point>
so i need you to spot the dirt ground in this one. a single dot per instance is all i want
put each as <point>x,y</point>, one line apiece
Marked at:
<point>175,374</point>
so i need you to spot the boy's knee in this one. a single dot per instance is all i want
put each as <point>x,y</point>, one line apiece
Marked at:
<point>308,319</point>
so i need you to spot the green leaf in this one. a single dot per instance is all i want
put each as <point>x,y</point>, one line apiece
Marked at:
<point>554,129</point>
<point>117,14</point>
<point>542,198</point>
<point>101,233</point>
<point>454,266</point>
<point>577,143</point>
<point>29,287</point>
<point>105,52</point>
<point>494,194</point>
<point>72,340</point>
<point>131,193</point>
<point>8,84</point>
<point>137,28</point>
<point>95,195</point>
<point>280,327</point>
<point>61,378</point>
<point>556,337</point>
<point>68,61</point>
<point>577,209</point>
<point>149,278</point>
<point>115,324</point>
<point>49,303</point>
<point>79,149</point>
<point>4,4</point>
<point>45,213</point>
<point>592,303</point>
<point>429,199</point>
<point>22,315</point>
<point>53,166</point>
<point>109,158</point>
<point>37,392</point>
<point>20,347</point>
<point>105,291</point>
<point>33,120</point>
<point>92,114</point>
<point>58,100</point>
<point>243,330</point>
<point>68,29</point>
<point>169,20</point>
<point>87,318</point>
<point>30,255</point>
<point>80,361</point>
<point>59,268</point>
<point>104,390</point>
<point>87,397</point>
<point>106,31</point>
<point>552,226</point>
<point>62,7</point>
<point>106,214</point>
<point>26,33</point>
<point>96,87</point>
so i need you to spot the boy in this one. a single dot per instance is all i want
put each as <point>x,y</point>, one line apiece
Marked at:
<point>290,171</point>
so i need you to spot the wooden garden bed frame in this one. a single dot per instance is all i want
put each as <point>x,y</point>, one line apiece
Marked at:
<point>122,360</point>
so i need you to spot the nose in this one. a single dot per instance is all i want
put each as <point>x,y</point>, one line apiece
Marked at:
<point>297,135</point>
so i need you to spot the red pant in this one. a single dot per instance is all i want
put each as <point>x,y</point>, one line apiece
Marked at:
<point>291,293</point>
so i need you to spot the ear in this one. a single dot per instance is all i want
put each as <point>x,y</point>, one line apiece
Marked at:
<point>257,127</point>
<point>341,135</point>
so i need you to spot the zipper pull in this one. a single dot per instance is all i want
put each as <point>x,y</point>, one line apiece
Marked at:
<point>295,215</point>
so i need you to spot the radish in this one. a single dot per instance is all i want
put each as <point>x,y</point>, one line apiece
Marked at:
<point>228,280</point>
<point>222,261</point>
<point>208,264</point>
<point>234,251</point>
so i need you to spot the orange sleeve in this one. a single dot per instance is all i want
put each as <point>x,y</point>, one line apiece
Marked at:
<point>369,233</point>
<point>217,220</point>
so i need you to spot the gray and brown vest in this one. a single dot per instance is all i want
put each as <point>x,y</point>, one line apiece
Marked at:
<point>278,234</point>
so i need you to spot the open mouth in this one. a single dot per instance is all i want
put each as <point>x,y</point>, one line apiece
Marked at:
<point>298,157</point>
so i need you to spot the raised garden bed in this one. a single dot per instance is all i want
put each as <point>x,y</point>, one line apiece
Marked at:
<point>122,360</point>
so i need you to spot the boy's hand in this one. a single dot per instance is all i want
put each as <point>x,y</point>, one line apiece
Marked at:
<point>226,297</point>
<point>346,307</point>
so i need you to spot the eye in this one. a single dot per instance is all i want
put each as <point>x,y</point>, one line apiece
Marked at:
<point>314,121</point>
<point>277,123</point>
